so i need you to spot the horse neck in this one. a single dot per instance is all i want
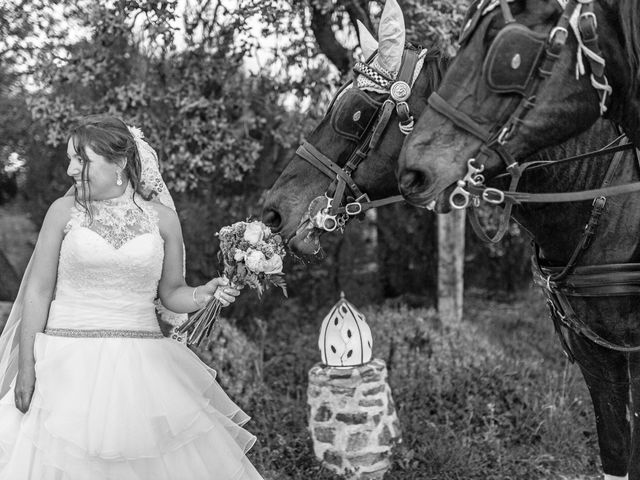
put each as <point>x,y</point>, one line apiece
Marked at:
<point>631,118</point>
<point>558,228</point>
<point>621,50</point>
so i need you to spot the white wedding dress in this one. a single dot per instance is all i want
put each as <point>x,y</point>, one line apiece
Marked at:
<point>114,399</point>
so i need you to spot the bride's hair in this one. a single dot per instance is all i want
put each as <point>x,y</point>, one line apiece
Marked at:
<point>109,137</point>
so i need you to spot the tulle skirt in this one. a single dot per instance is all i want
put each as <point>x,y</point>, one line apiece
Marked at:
<point>123,409</point>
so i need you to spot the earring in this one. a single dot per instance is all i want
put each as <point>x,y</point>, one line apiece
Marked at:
<point>118,178</point>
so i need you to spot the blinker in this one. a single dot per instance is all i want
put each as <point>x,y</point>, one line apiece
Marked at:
<point>353,113</point>
<point>512,59</point>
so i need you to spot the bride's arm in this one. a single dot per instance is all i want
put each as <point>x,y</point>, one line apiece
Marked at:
<point>38,295</point>
<point>174,293</point>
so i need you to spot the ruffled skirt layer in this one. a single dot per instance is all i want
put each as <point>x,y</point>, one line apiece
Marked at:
<point>123,409</point>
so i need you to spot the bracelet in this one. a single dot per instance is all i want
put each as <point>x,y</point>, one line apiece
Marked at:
<point>193,295</point>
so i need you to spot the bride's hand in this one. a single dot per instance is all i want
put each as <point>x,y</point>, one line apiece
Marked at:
<point>219,288</point>
<point>25,385</point>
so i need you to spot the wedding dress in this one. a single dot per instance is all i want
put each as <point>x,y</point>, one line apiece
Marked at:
<point>113,398</point>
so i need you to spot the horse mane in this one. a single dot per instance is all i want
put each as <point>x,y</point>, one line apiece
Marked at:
<point>436,63</point>
<point>629,14</point>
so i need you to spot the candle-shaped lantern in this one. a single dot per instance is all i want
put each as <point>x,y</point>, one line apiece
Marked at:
<point>345,338</point>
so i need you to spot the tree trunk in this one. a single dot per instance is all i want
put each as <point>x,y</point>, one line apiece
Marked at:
<point>451,266</point>
<point>9,281</point>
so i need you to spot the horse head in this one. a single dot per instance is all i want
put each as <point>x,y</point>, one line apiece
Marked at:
<point>529,75</point>
<point>361,134</point>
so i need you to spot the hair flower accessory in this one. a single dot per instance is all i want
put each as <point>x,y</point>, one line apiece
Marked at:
<point>252,256</point>
<point>136,132</point>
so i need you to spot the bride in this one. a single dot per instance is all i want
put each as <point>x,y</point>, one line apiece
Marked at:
<point>89,387</point>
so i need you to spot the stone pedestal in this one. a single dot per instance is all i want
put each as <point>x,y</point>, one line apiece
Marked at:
<point>352,419</point>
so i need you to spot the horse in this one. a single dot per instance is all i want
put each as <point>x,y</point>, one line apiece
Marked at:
<point>287,211</point>
<point>529,74</point>
<point>517,86</point>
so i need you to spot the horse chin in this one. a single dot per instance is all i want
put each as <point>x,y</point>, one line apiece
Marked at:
<point>438,204</point>
<point>306,244</point>
<point>441,204</point>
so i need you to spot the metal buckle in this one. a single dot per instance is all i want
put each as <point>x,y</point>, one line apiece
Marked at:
<point>354,208</point>
<point>556,30</point>
<point>599,202</point>
<point>459,198</point>
<point>502,138</point>
<point>402,109</point>
<point>493,195</point>
<point>592,16</point>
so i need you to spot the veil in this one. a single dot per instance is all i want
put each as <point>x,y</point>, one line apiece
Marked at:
<point>153,187</point>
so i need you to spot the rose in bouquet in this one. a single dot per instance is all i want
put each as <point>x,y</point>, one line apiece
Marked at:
<point>252,256</point>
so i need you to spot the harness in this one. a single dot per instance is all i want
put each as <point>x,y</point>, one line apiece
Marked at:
<point>343,199</point>
<point>517,62</point>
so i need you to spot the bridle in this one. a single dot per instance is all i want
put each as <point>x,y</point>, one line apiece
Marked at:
<point>343,198</point>
<point>505,56</point>
<point>518,61</point>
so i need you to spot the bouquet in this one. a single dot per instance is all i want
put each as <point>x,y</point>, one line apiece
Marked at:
<point>252,256</point>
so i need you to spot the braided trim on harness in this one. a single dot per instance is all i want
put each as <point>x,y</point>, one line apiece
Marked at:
<point>372,74</point>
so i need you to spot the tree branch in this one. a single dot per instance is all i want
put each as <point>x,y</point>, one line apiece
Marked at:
<point>358,10</point>
<point>327,42</point>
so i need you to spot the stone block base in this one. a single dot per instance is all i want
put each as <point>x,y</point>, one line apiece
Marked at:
<point>352,419</point>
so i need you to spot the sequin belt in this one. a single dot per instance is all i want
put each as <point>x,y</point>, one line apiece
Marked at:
<point>102,333</point>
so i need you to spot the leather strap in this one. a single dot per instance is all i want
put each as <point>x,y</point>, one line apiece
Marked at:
<point>559,283</point>
<point>312,155</point>
<point>460,119</point>
<point>523,197</point>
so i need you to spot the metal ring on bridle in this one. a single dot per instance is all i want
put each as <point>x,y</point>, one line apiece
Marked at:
<point>459,192</point>
<point>406,127</point>
<point>329,223</point>
<point>493,195</point>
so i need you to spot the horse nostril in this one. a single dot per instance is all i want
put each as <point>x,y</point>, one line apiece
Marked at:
<point>272,219</point>
<point>412,180</point>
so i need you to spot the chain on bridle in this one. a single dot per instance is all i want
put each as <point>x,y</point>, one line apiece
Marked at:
<point>343,199</point>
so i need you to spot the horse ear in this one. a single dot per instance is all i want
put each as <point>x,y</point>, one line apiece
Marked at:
<point>368,44</point>
<point>391,35</point>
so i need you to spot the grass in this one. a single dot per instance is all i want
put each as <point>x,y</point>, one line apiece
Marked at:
<point>491,398</point>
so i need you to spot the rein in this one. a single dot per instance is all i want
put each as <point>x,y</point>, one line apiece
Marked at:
<point>343,199</point>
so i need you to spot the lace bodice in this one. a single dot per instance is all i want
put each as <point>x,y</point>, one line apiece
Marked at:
<point>117,220</point>
<point>110,265</point>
